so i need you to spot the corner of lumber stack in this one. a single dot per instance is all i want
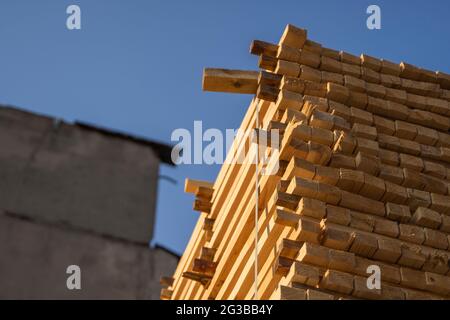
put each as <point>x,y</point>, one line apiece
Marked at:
<point>364,180</point>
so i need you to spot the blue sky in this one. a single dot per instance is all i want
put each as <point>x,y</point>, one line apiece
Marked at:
<point>136,65</point>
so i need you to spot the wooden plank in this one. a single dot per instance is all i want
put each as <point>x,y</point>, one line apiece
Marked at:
<point>166,294</point>
<point>437,283</point>
<point>267,62</point>
<point>435,239</point>
<point>293,36</point>
<point>371,62</point>
<point>331,53</point>
<point>338,215</point>
<point>267,92</point>
<point>440,203</point>
<point>445,226</point>
<point>345,143</point>
<point>337,281</point>
<point>304,274</point>
<point>288,293</point>
<point>289,248</point>
<point>258,47</point>
<point>204,266</point>
<point>389,272</point>
<point>341,260</point>
<point>361,116</point>
<point>413,278</point>
<point>312,294</point>
<point>364,245</point>
<point>310,59</point>
<point>411,233</point>
<point>383,125</point>
<point>411,257</point>
<point>411,162</point>
<point>349,58</point>
<point>269,78</point>
<point>426,218</point>
<point>373,187</point>
<point>361,221</point>
<point>199,277</point>
<point>362,291</point>
<point>368,163</point>
<point>313,46</point>
<point>166,281</point>
<point>287,68</point>
<point>192,186</point>
<point>364,131</point>
<point>354,84</point>
<point>390,68</point>
<point>375,90</point>
<point>191,250</point>
<point>327,175</point>
<point>207,254</point>
<point>311,208</point>
<point>350,180</point>
<point>288,53</point>
<point>202,206</point>
<point>232,81</point>
<point>386,227</point>
<point>395,193</point>
<point>405,130</point>
<point>331,65</point>
<point>370,75</point>
<point>397,212</point>
<point>387,251</point>
<point>314,254</point>
<point>335,237</point>
<point>331,77</point>
<point>409,71</point>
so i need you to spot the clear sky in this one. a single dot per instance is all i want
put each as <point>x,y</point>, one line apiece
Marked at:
<point>136,65</point>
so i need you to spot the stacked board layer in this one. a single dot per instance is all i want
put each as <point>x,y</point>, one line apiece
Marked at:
<point>363,181</point>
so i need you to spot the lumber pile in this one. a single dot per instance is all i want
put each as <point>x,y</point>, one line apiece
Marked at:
<point>363,180</point>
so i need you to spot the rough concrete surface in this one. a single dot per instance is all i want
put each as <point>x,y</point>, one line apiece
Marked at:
<point>60,172</point>
<point>71,194</point>
<point>35,256</point>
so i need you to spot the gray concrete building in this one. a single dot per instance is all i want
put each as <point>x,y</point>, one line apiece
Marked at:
<point>76,194</point>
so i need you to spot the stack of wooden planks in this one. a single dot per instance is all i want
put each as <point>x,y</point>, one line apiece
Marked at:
<point>363,181</point>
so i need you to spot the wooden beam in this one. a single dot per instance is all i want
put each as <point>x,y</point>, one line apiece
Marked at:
<point>199,277</point>
<point>166,294</point>
<point>232,81</point>
<point>166,281</point>
<point>192,186</point>
<point>258,47</point>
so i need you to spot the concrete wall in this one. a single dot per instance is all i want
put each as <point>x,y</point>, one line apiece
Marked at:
<point>34,257</point>
<point>66,174</point>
